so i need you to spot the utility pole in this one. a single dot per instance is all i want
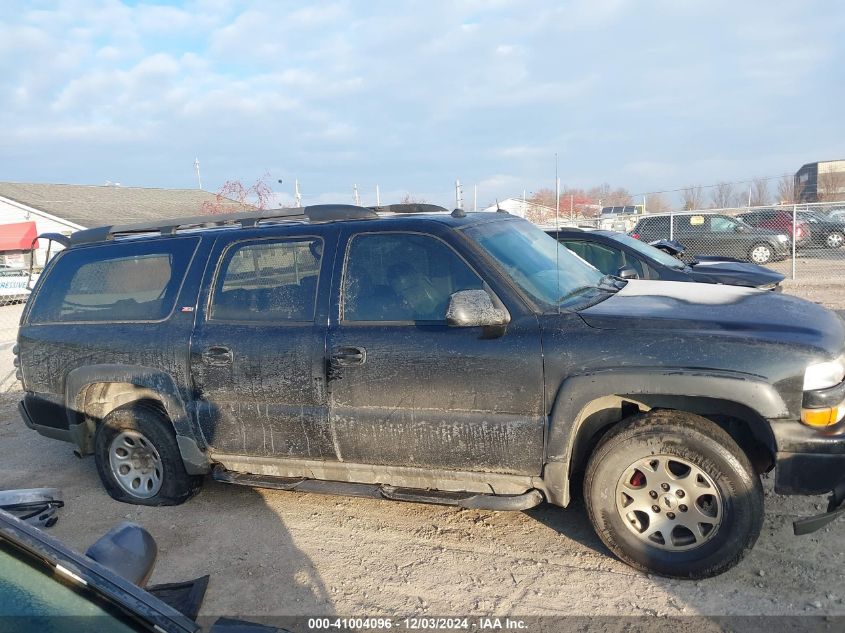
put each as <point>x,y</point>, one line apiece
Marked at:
<point>297,195</point>
<point>378,197</point>
<point>475,197</point>
<point>459,195</point>
<point>197,168</point>
<point>557,195</point>
<point>355,196</point>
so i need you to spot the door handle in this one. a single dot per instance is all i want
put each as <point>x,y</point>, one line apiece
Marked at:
<point>346,356</point>
<point>217,356</point>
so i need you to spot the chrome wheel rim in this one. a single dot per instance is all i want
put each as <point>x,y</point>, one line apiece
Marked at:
<point>669,503</point>
<point>761,254</point>
<point>135,464</point>
<point>834,240</point>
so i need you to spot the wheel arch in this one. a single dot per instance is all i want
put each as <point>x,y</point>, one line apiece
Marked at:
<point>94,391</point>
<point>586,407</point>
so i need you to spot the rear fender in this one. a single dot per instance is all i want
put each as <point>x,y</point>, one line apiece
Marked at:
<point>92,392</point>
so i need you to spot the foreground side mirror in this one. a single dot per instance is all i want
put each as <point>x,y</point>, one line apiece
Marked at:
<point>627,272</point>
<point>740,229</point>
<point>128,550</point>
<point>474,308</point>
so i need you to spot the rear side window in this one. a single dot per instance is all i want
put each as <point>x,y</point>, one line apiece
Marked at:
<point>127,282</point>
<point>268,281</point>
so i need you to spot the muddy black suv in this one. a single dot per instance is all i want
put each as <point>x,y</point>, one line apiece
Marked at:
<point>419,355</point>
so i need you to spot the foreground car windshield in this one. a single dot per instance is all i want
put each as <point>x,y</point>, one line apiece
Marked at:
<point>546,270</point>
<point>649,251</point>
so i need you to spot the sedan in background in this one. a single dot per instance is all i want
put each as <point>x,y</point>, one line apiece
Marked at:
<point>824,231</point>
<point>619,254</point>
<point>778,220</point>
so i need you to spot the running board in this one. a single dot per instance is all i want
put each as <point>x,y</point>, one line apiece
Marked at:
<point>474,500</point>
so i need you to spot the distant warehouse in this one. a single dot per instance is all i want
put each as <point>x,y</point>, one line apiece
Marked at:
<point>823,181</point>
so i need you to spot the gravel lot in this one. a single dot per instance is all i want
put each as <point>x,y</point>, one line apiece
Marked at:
<point>277,553</point>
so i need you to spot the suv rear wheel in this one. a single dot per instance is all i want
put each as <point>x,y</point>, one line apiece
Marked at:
<point>138,459</point>
<point>760,253</point>
<point>672,493</point>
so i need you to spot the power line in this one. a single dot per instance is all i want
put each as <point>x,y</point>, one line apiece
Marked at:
<point>718,184</point>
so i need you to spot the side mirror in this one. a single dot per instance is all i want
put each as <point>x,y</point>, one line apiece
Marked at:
<point>627,272</point>
<point>474,308</point>
<point>740,229</point>
<point>128,550</point>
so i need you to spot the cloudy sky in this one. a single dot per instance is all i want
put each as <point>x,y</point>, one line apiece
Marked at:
<point>646,94</point>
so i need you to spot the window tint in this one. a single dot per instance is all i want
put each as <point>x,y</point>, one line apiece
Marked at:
<point>721,224</point>
<point>402,277</point>
<point>655,225</point>
<point>268,281</point>
<point>129,282</point>
<point>608,260</point>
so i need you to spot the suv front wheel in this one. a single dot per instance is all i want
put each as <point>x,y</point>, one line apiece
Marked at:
<point>672,493</point>
<point>138,459</point>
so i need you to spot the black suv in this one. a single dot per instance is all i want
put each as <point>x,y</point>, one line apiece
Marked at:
<point>462,358</point>
<point>714,234</point>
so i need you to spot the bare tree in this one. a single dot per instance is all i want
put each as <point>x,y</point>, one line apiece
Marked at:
<point>657,203</point>
<point>786,190</point>
<point>760,192</point>
<point>607,196</point>
<point>409,198</point>
<point>233,196</point>
<point>723,195</point>
<point>692,198</point>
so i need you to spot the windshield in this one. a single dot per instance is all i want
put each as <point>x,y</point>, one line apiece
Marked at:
<point>546,271</point>
<point>649,251</point>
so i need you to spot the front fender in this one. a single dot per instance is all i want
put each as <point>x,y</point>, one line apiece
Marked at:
<point>586,403</point>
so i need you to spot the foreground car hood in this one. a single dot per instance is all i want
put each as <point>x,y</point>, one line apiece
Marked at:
<point>708,308</point>
<point>728,271</point>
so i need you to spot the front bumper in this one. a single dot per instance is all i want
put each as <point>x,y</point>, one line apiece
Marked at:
<point>811,461</point>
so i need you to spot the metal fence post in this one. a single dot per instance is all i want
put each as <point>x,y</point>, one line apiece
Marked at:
<point>671,225</point>
<point>794,226</point>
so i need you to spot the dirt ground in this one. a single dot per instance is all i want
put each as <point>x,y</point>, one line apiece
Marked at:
<point>278,553</point>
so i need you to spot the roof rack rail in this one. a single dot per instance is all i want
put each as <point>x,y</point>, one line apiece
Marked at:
<point>410,207</point>
<point>314,213</point>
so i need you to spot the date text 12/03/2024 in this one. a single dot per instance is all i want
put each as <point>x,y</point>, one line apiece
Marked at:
<point>417,624</point>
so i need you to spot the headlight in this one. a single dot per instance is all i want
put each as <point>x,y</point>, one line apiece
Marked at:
<point>824,375</point>
<point>783,238</point>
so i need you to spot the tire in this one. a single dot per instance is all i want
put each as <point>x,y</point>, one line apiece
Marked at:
<point>761,253</point>
<point>834,239</point>
<point>730,505</point>
<point>137,440</point>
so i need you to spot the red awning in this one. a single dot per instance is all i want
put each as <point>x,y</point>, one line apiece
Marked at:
<point>18,236</point>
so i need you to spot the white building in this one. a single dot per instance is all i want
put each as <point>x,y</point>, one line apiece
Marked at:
<point>67,208</point>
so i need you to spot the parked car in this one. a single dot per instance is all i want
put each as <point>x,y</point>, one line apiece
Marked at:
<point>824,231</point>
<point>45,586</point>
<point>465,359</point>
<point>615,253</point>
<point>714,234</point>
<point>778,220</point>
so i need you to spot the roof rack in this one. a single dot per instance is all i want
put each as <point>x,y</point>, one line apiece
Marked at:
<point>314,214</point>
<point>410,207</point>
